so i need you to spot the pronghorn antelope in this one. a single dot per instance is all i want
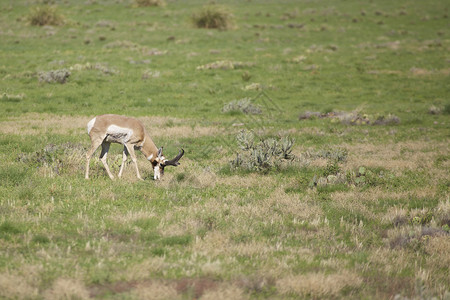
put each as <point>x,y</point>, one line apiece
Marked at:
<point>106,129</point>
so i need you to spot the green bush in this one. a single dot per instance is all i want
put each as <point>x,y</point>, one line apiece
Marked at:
<point>45,15</point>
<point>213,16</point>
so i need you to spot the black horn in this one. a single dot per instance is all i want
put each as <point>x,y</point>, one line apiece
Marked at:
<point>174,162</point>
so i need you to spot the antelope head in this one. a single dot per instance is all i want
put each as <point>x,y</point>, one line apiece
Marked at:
<point>161,162</point>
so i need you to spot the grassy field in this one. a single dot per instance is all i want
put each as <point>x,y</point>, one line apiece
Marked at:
<point>360,209</point>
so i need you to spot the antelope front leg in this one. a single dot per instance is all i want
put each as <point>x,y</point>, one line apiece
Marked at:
<point>130,149</point>
<point>124,159</point>
<point>103,155</point>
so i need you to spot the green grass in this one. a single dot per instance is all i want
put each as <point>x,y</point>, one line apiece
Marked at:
<point>208,229</point>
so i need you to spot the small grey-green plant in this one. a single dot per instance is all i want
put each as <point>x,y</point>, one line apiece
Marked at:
<point>286,147</point>
<point>386,120</point>
<point>59,76</point>
<point>243,105</point>
<point>225,65</point>
<point>262,155</point>
<point>434,110</point>
<point>150,74</point>
<point>245,139</point>
<point>334,154</point>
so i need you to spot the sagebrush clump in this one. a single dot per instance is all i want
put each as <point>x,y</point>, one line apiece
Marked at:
<point>59,76</point>
<point>213,16</point>
<point>45,15</point>
<point>242,105</point>
<point>262,155</point>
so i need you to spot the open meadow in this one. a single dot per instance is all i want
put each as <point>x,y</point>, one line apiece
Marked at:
<point>316,138</point>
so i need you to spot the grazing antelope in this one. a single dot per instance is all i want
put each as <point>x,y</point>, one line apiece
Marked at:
<point>106,129</point>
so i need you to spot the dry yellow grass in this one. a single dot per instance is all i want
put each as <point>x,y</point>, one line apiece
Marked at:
<point>146,269</point>
<point>67,288</point>
<point>132,216</point>
<point>155,291</point>
<point>34,124</point>
<point>250,180</point>
<point>225,292</point>
<point>16,287</point>
<point>318,285</point>
<point>438,247</point>
<point>396,157</point>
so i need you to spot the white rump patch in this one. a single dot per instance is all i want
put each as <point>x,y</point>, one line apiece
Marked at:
<point>116,134</point>
<point>90,125</point>
<point>150,156</point>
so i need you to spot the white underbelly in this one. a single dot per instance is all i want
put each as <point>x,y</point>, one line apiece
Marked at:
<point>116,134</point>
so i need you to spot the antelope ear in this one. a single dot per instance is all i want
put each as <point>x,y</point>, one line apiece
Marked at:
<point>160,152</point>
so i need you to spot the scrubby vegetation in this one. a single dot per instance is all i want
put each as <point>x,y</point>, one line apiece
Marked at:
<point>262,155</point>
<point>352,118</point>
<point>144,3</point>
<point>45,15</point>
<point>213,16</point>
<point>59,76</point>
<point>316,138</point>
<point>244,105</point>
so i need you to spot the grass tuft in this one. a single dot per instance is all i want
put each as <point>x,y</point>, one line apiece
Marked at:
<point>213,16</point>
<point>147,3</point>
<point>243,105</point>
<point>45,15</point>
<point>58,76</point>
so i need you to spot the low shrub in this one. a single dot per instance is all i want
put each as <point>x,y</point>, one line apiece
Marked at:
<point>213,16</point>
<point>146,3</point>
<point>59,159</point>
<point>386,120</point>
<point>412,237</point>
<point>246,76</point>
<point>225,65</point>
<point>59,76</point>
<point>434,110</point>
<point>262,155</point>
<point>243,105</point>
<point>354,117</point>
<point>334,154</point>
<point>45,15</point>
